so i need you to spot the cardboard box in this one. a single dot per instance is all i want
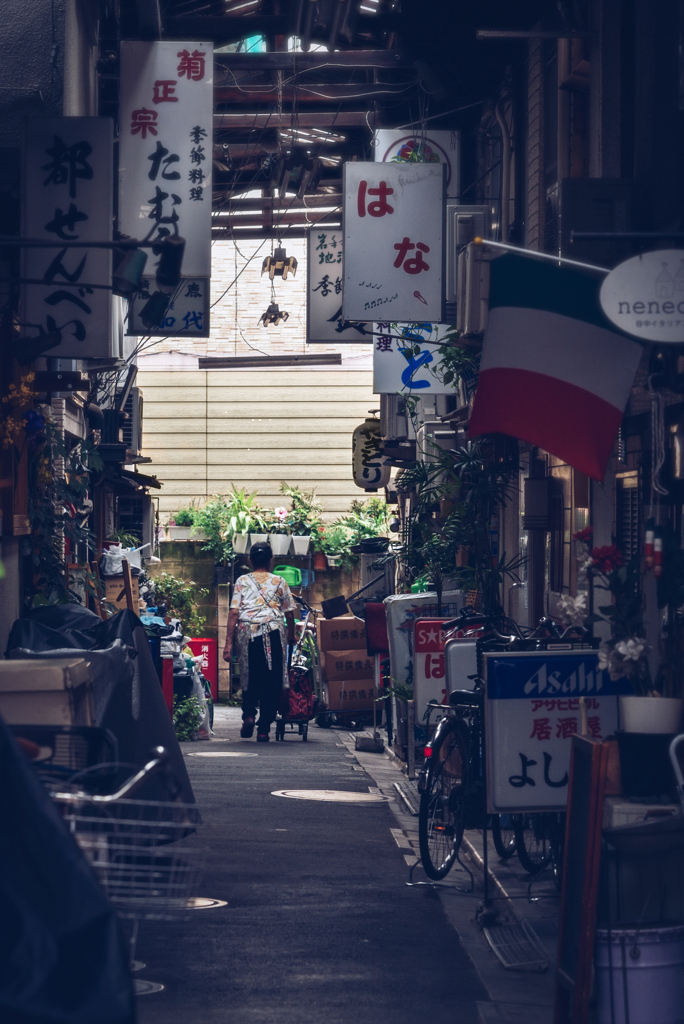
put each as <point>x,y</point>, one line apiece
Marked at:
<point>55,691</point>
<point>350,695</point>
<point>115,593</point>
<point>345,633</point>
<point>347,665</point>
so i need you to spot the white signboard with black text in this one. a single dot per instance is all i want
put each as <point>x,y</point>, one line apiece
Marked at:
<point>166,140</point>
<point>393,241</point>
<point>187,314</point>
<point>644,296</point>
<point>398,368</point>
<point>68,198</point>
<point>324,321</point>
<point>397,146</point>
<point>532,713</point>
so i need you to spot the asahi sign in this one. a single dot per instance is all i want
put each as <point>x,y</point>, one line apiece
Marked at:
<point>644,296</point>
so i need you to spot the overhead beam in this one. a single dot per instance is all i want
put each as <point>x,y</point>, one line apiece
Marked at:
<point>295,359</point>
<point>223,30</point>
<point>285,61</point>
<point>305,119</point>
<point>290,202</point>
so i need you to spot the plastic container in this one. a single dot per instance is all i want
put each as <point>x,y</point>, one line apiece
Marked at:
<point>645,964</point>
<point>290,573</point>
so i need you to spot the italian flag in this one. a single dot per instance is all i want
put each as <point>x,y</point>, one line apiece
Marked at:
<point>554,371</point>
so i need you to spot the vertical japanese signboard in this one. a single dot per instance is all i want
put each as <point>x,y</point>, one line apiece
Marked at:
<point>532,713</point>
<point>393,241</point>
<point>396,146</point>
<point>68,198</point>
<point>187,315</point>
<point>398,368</point>
<point>166,146</point>
<point>324,321</point>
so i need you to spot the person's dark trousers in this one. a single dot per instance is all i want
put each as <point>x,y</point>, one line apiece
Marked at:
<point>265,686</point>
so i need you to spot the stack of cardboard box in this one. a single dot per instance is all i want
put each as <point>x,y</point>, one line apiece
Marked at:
<point>346,666</point>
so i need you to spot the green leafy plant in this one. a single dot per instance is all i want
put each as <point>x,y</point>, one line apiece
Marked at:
<point>124,538</point>
<point>180,597</point>
<point>187,715</point>
<point>277,520</point>
<point>185,517</point>
<point>305,512</point>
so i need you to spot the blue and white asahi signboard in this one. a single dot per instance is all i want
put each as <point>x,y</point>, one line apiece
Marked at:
<point>644,296</point>
<point>532,713</point>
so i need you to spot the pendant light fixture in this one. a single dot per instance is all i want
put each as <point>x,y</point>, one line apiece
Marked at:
<point>278,264</point>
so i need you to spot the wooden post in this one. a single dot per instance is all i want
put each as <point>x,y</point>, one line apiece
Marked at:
<point>126,570</point>
<point>411,740</point>
<point>95,571</point>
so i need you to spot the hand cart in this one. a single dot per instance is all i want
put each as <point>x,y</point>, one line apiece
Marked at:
<point>299,702</point>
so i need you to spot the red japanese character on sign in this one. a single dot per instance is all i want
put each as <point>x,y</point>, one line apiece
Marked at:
<point>415,265</point>
<point>380,206</point>
<point>565,728</point>
<point>164,90</point>
<point>541,729</point>
<point>594,727</point>
<point>434,666</point>
<point>144,121</point>
<point>191,64</point>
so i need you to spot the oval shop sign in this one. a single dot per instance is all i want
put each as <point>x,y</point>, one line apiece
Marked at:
<point>644,296</point>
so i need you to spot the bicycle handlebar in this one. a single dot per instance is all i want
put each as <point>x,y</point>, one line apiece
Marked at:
<point>160,760</point>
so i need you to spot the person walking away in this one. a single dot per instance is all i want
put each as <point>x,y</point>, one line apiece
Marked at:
<point>261,621</point>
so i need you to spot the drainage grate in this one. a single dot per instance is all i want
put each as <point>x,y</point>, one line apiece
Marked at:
<point>517,947</point>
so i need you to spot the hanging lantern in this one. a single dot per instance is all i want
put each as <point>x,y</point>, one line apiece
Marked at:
<point>273,315</point>
<point>370,469</point>
<point>279,264</point>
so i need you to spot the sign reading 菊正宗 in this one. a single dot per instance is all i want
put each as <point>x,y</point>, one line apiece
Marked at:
<point>68,198</point>
<point>166,148</point>
<point>532,713</point>
<point>393,242</point>
<point>324,321</point>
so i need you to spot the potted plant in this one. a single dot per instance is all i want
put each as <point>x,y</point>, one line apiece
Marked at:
<point>336,543</point>
<point>243,516</point>
<point>624,656</point>
<point>303,518</point>
<point>279,535</point>
<point>180,527</point>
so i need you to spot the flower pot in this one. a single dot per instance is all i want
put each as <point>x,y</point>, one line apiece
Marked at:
<point>651,714</point>
<point>320,562</point>
<point>240,543</point>
<point>258,538</point>
<point>300,545</point>
<point>333,561</point>
<point>179,532</point>
<point>198,535</point>
<point>280,543</point>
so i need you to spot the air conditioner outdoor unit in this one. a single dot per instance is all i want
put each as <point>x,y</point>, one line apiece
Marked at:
<point>395,423</point>
<point>432,435</point>
<point>463,223</point>
<point>473,289</point>
<point>132,428</point>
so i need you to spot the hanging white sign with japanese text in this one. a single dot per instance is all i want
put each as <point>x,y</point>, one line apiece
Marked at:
<point>393,241</point>
<point>324,322</point>
<point>187,314</point>
<point>532,713</point>
<point>397,146</point>
<point>406,359</point>
<point>68,194</point>
<point>644,296</point>
<point>166,146</point>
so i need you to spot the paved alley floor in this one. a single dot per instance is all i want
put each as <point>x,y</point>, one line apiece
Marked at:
<point>319,924</point>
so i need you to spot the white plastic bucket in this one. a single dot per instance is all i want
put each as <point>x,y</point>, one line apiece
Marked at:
<point>645,964</point>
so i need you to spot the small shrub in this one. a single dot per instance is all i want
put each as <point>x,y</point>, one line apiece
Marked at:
<point>187,715</point>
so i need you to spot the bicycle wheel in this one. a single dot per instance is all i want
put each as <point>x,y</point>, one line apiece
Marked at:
<point>503,835</point>
<point>532,840</point>
<point>442,811</point>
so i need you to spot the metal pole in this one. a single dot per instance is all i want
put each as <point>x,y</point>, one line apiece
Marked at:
<point>541,255</point>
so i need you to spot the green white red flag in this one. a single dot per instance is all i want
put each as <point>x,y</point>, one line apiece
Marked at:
<point>554,371</point>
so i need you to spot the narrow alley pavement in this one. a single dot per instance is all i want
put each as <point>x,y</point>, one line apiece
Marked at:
<point>319,924</point>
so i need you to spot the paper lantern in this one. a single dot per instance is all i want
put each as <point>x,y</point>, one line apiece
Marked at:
<point>369,467</point>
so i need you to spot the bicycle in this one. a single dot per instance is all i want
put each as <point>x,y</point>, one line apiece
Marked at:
<point>452,780</point>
